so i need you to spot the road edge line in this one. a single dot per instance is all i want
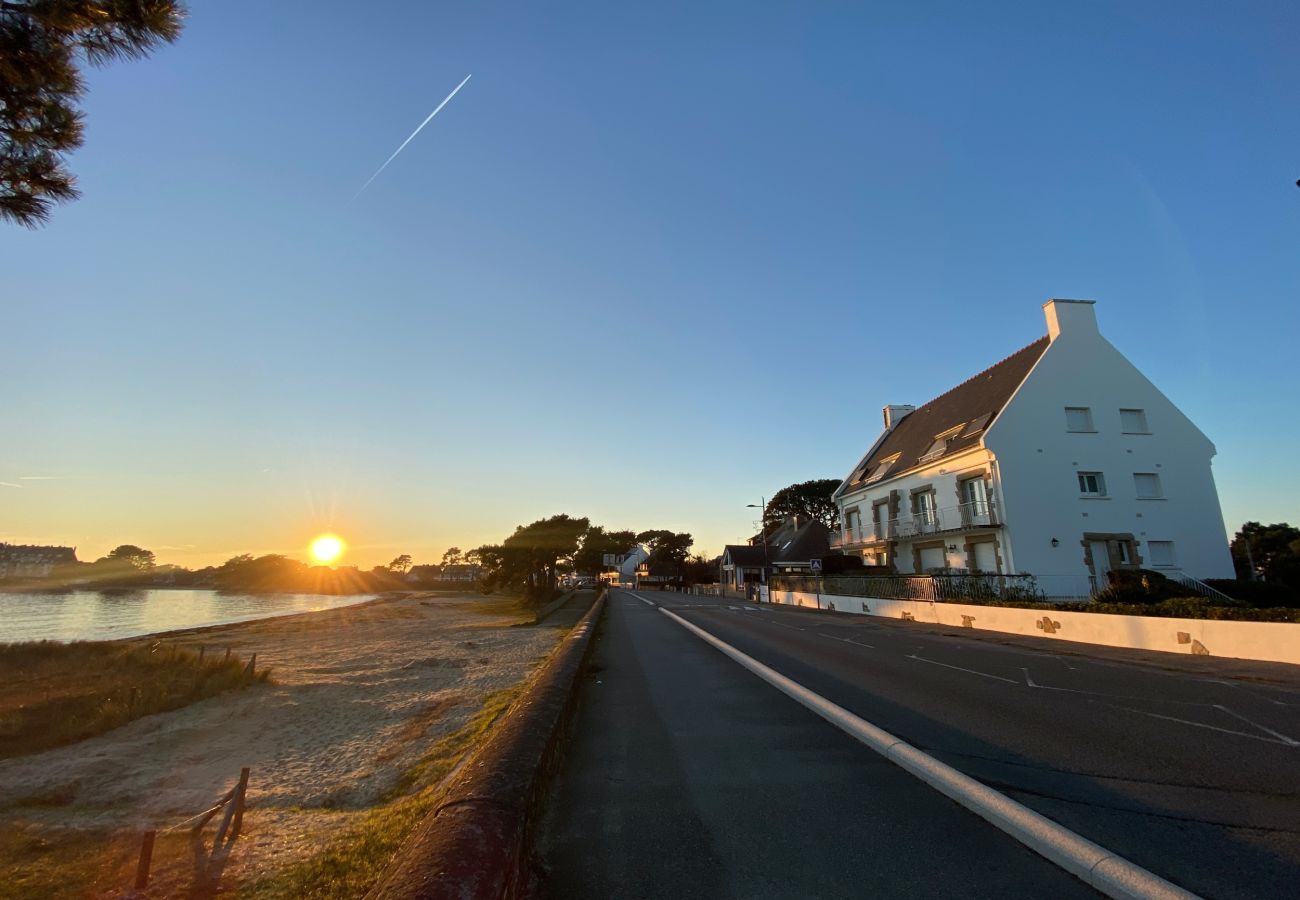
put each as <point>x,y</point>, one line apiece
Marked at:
<point>1107,872</point>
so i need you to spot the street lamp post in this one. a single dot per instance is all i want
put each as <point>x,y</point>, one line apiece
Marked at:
<point>762,530</point>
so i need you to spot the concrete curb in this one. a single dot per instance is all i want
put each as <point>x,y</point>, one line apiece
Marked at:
<point>1105,871</point>
<point>474,845</point>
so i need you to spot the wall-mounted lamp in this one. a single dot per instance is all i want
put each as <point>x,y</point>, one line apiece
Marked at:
<point>952,548</point>
<point>1055,542</point>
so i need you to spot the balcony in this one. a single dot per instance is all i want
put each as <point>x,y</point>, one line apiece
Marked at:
<point>962,517</point>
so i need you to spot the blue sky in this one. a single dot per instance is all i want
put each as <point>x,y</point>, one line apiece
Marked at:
<point>651,263</point>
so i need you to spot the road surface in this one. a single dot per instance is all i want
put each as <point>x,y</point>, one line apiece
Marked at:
<point>687,776</point>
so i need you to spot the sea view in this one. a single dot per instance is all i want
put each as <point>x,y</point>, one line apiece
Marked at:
<point>95,616</point>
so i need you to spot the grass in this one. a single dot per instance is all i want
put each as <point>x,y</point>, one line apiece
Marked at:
<point>53,694</point>
<point>353,862</point>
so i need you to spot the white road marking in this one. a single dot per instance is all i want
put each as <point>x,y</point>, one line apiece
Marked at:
<point>1282,737</point>
<point>960,669</point>
<point>1108,872</point>
<point>1253,737</point>
<point>847,641</point>
<point>644,600</point>
<point>1029,682</point>
<point>1064,663</point>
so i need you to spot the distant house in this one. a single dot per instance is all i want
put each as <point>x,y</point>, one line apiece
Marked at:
<point>788,549</point>
<point>1062,461</point>
<point>21,561</point>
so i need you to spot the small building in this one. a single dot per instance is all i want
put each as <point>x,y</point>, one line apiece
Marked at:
<point>30,561</point>
<point>788,549</point>
<point>1062,461</point>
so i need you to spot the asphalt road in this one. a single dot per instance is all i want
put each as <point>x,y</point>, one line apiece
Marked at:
<point>689,777</point>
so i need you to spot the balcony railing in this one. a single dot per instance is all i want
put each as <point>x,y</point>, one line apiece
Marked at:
<point>962,517</point>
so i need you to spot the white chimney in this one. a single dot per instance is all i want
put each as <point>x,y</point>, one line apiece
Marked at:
<point>1070,317</point>
<point>894,414</point>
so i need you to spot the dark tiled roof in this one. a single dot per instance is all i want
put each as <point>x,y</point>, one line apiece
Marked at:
<point>744,554</point>
<point>972,400</point>
<point>800,543</point>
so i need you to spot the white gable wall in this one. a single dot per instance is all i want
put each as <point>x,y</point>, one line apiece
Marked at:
<point>1038,460</point>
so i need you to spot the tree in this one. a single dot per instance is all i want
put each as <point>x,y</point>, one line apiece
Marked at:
<point>1274,549</point>
<point>596,542</point>
<point>528,560</point>
<point>667,547</point>
<point>401,564</point>
<point>807,500</point>
<point>453,557</point>
<point>136,557</point>
<point>42,45</point>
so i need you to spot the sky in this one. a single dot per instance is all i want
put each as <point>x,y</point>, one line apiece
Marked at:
<point>651,264</point>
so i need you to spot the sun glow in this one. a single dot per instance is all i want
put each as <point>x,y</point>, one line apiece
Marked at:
<point>327,548</point>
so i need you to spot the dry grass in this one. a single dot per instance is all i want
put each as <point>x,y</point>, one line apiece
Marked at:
<point>52,694</point>
<point>353,862</point>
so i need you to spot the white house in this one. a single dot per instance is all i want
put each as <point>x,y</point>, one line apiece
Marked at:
<point>1062,461</point>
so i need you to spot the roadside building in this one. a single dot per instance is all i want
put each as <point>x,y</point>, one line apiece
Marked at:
<point>1062,461</point>
<point>788,549</point>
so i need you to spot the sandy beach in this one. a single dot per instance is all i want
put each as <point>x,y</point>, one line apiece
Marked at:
<point>359,694</point>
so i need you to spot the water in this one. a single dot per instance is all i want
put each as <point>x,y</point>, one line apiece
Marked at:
<point>92,616</point>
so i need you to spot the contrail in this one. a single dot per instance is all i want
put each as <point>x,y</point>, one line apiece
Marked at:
<point>412,137</point>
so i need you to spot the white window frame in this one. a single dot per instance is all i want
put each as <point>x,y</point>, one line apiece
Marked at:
<point>1099,481</point>
<point>1142,417</point>
<point>1087,414</point>
<point>1137,486</point>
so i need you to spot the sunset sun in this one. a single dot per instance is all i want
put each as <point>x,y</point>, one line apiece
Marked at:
<point>327,548</point>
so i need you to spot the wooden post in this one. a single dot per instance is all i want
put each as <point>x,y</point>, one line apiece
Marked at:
<point>227,659</point>
<point>252,665</point>
<point>241,793</point>
<point>202,650</point>
<point>146,857</point>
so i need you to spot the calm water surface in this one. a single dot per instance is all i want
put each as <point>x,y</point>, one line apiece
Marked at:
<point>92,616</point>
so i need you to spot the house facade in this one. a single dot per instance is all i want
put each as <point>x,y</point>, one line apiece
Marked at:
<point>22,561</point>
<point>1062,461</point>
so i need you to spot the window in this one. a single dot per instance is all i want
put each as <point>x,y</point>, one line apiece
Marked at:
<point>1092,484</point>
<point>925,507</point>
<point>1147,485</point>
<point>1133,421</point>
<point>1078,418</point>
<point>854,523</point>
<point>977,425</point>
<point>975,493</point>
<point>883,468</point>
<point>1160,554</point>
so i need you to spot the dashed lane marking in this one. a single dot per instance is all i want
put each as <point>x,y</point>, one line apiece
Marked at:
<point>960,669</point>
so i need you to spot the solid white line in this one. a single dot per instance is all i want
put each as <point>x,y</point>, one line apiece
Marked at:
<point>643,599</point>
<point>1109,873</point>
<point>1282,737</point>
<point>960,669</point>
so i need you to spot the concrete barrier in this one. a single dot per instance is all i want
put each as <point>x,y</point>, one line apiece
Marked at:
<point>475,843</point>
<point>1267,641</point>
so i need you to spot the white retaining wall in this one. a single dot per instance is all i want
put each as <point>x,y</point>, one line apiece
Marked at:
<point>1271,641</point>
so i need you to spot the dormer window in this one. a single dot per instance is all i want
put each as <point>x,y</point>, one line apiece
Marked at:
<point>940,445</point>
<point>883,469</point>
<point>976,425</point>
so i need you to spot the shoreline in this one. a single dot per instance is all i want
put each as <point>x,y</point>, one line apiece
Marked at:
<point>169,633</point>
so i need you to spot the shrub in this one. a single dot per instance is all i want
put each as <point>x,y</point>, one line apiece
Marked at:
<point>1138,586</point>
<point>1259,594</point>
